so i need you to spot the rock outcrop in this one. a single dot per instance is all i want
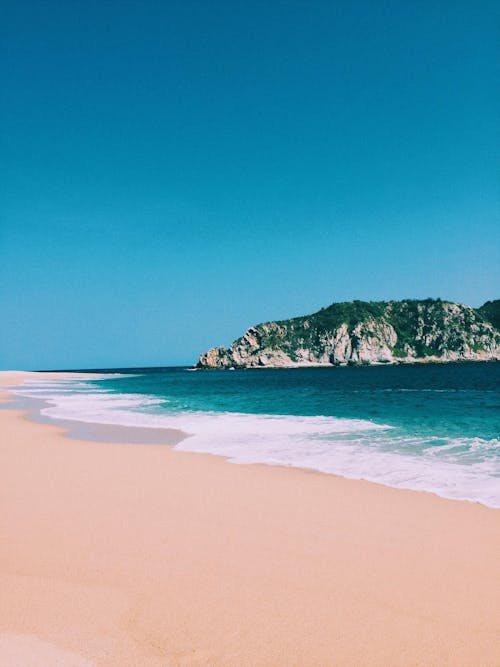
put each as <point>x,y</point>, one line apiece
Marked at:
<point>361,332</point>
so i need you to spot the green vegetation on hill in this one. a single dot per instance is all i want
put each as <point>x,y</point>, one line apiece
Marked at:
<point>348,312</point>
<point>414,322</point>
<point>368,332</point>
<point>405,316</point>
<point>490,311</point>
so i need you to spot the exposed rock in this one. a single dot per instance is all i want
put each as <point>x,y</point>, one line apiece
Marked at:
<point>366,333</point>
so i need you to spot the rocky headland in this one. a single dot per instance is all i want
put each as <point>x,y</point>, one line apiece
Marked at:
<point>365,333</point>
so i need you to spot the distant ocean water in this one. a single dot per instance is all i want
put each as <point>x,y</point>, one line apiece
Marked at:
<point>424,427</point>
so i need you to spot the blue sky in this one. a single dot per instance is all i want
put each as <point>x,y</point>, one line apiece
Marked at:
<point>177,171</point>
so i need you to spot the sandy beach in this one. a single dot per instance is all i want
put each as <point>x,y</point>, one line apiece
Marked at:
<point>116,554</point>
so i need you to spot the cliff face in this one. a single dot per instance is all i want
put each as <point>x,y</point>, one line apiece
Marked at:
<point>366,333</point>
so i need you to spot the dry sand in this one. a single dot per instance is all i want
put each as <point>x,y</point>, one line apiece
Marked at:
<point>119,554</point>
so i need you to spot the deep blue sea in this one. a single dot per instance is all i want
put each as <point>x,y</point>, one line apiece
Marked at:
<point>433,427</point>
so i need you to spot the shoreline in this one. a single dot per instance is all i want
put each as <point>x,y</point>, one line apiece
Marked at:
<point>378,364</point>
<point>170,437</point>
<point>419,361</point>
<point>223,565</point>
<point>95,431</point>
<point>81,427</point>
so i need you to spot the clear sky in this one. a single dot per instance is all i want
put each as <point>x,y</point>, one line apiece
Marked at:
<point>174,172</point>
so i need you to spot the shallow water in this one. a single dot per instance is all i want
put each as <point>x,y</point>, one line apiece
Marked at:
<point>424,427</point>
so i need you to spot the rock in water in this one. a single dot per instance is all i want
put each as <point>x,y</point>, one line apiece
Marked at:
<point>361,332</point>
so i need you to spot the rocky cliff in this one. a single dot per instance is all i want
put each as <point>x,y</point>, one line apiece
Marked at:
<point>362,332</point>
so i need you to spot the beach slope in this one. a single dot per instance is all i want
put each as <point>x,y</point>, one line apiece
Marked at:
<point>115,554</point>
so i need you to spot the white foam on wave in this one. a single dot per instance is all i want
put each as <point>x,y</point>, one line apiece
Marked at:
<point>460,468</point>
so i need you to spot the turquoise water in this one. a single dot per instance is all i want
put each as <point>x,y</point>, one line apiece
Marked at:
<point>427,427</point>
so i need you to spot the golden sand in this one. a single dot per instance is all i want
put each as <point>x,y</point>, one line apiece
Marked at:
<point>118,554</point>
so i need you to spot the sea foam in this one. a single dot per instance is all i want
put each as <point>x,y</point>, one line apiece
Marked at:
<point>456,468</point>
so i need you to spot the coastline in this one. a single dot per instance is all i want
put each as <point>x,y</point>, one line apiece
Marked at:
<point>417,361</point>
<point>122,555</point>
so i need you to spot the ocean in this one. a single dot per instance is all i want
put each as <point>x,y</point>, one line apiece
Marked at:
<point>432,427</point>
